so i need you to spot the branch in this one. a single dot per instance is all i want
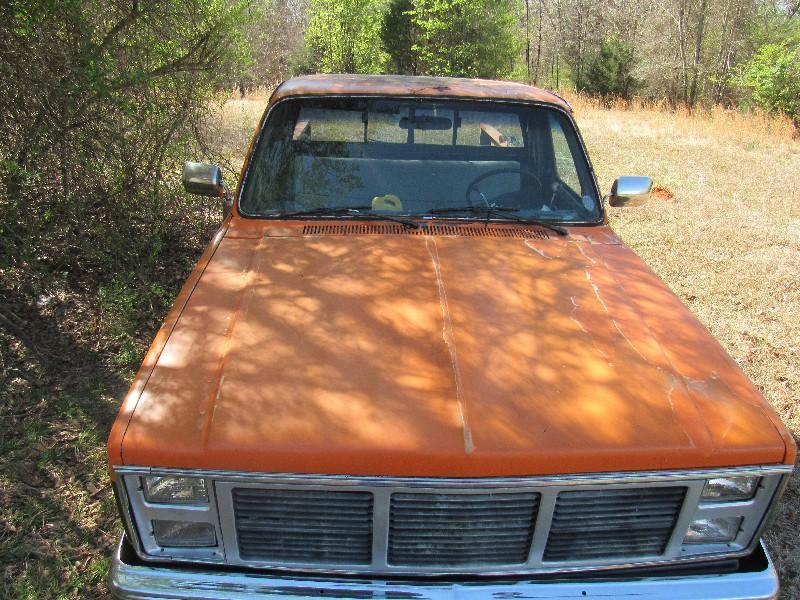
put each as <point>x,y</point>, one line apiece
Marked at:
<point>126,22</point>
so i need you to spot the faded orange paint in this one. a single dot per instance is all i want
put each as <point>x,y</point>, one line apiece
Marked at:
<point>421,355</point>
<point>441,356</point>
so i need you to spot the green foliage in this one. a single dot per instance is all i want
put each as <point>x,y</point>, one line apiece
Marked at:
<point>464,38</point>
<point>773,78</point>
<point>101,101</point>
<point>343,36</point>
<point>124,303</point>
<point>610,73</point>
<point>399,35</point>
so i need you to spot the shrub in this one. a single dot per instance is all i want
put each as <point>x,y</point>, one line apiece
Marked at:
<point>99,101</point>
<point>773,78</point>
<point>610,73</point>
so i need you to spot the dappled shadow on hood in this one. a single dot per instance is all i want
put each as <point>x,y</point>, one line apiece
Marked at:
<point>441,356</point>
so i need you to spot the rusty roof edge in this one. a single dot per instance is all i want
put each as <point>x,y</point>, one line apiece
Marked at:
<point>413,85</point>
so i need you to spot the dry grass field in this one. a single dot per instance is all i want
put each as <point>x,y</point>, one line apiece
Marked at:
<point>723,232</point>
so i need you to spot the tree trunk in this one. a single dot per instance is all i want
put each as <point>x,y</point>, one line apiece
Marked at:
<point>698,50</point>
<point>528,39</point>
<point>682,19</point>
<point>538,43</point>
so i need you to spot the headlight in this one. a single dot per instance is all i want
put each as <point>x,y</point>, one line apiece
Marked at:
<point>717,530</point>
<point>730,512</point>
<point>183,534</point>
<point>728,489</point>
<point>175,490</point>
<point>173,516</point>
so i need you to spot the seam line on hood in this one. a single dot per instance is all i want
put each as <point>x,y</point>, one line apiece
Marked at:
<point>447,334</point>
<point>213,399</point>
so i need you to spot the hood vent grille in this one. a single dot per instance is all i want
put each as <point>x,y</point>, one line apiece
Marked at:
<point>428,229</point>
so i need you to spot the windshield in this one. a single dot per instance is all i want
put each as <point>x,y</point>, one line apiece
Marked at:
<point>419,157</point>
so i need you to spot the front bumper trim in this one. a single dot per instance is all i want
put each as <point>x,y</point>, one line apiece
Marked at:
<point>137,582</point>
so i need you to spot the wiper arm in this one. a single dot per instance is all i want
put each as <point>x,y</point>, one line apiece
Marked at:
<point>325,210</point>
<point>488,211</point>
<point>354,211</point>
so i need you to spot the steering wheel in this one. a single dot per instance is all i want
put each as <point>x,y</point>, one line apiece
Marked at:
<point>473,186</point>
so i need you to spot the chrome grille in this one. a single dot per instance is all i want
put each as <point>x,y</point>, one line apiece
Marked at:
<point>350,524</point>
<point>308,526</point>
<point>461,529</point>
<point>610,523</point>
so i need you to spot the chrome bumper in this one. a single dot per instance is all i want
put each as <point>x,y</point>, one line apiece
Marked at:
<point>137,582</point>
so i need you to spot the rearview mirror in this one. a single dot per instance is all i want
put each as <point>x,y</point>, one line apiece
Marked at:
<point>630,191</point>
<point>203,179</point>
<point>426,123</point>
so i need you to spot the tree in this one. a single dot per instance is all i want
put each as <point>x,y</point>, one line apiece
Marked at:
<point>343,36</point>
<point>99,101</point>
<point>773,78</point>
<point>399,35</point>
<point>610,73</point>
<point>275,31</point>
<point>465,38</point>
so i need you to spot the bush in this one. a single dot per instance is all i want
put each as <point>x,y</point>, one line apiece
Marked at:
<point>610,73</point>
<point>773,78</point>
<point>99,103</point>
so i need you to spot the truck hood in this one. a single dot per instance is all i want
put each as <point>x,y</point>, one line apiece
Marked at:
<point>460,356</point>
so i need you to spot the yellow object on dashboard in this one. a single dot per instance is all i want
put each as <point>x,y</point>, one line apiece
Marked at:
<point>387,202</point>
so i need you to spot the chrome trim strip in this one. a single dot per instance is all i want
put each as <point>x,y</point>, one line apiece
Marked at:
<point>467,482</point>
<point>548,487</point>
<point>137,582</point>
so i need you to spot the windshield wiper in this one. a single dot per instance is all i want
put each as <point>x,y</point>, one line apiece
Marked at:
<point>500,211</point>
<point>354,211</point>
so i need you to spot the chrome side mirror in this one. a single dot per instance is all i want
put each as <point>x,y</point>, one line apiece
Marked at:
<point>204,179</point>
<point>630,191</point>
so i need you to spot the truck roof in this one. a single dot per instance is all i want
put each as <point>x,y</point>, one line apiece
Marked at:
<point>406,85</point>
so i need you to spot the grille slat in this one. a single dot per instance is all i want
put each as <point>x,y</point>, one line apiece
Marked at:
<point>421,529</point>
<point>613,523</point>
<point>325,527</point>
<point>461,529</point>
<point>451,529</point>
<point>428,229</point>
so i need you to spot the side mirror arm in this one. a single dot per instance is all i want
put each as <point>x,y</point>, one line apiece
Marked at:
<point>227,202</point>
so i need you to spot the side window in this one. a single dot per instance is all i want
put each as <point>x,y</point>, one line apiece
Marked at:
<point>565,163</point>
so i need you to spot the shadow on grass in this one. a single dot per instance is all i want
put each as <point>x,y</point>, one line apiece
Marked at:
<point>58,399</point>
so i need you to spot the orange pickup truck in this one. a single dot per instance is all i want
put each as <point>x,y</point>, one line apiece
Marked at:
<point>416,362</point>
